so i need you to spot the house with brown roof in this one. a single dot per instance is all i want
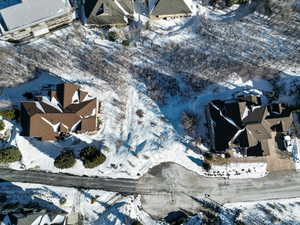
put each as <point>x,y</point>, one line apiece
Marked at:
<point>246,124</point>
<point>66,109</point>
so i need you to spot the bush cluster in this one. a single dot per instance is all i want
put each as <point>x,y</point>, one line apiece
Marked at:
<point>9,114</point>
<point>140,113</point>
<point>112,36</point>
<point>9,155</point>
<point>2,125</point>
<point>208,156</point>
<point>91,157</point>
<point>136,222</point>
<point>125,42</point>
<point>206,166</point>
<point>65,160</point>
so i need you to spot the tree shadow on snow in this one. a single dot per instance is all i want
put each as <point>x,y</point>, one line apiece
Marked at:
<point>22,205</point>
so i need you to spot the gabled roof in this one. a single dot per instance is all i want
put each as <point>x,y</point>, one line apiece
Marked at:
<point>48,118</point>
<point>77,108</point>
<point>31,108</point>
<point>252,123</point>
<point>28,12</point>
<point>224,131</point>
<point>257,115</point>
<point>170,7</point>
<point>115,11</point>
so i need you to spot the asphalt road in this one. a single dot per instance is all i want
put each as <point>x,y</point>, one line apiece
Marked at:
<point>57,179</point>
<point>173,187</point>
<point>180,188</point>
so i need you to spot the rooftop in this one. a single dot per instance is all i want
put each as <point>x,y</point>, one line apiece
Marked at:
<point>20,14</point>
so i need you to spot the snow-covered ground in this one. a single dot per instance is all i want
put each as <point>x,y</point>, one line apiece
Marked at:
<point>102,208</point>
<point>135,144</point>
<point>171,67</point>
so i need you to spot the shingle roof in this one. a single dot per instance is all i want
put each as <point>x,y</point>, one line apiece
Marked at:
<point>170,7</point>
<point>115,14</point>
<point>256,116</point>
<point>47,119</point>
<point>254,123</point>
<point>31,108</point>
<point>224,131</point>
<point>28,12</point>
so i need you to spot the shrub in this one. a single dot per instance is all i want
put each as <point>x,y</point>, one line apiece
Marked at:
<point>112,36</point>
<point>125,42</point>
<point>227,155</point>
<point>62,201</point>
<point>2,125</point>
<point>28,95</point>
<point>136,222</point>
<point>140,113</point>
<point>91,157</point>
<point>9,114</point>
<point>65,160</point>
<point>189,121</point>
<point>9,155</point>
<point>206,166</point>
<point>208,156</point>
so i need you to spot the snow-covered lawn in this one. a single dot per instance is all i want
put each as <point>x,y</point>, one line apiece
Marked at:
<point>135,144</point>
<point>239,170</point>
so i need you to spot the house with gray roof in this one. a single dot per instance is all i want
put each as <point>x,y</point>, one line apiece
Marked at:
<point>168,8</point>
<point>108,12</point>
<point>246,124</point>
<point>23,19</point>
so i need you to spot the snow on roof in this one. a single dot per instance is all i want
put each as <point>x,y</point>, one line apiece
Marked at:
<point>39,106</point>
<point>55,127</point>
<point>75,97</point>
<point>121,8</point>
<point>75,126</point>
<point>54,103</point>
<point>28,12</point>
<point>225,117</point>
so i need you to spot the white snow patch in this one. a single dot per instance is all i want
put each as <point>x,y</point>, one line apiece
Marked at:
<point>39,106</point>
<point>75,97</point>
<point>55,127</point>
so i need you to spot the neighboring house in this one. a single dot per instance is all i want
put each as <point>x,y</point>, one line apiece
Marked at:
<point>22,19</point>
<point>168,8</point>
<point>108,12</point>
<point>66,109</point>
<point>246,124</point>
<point>35,218</point>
